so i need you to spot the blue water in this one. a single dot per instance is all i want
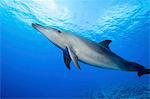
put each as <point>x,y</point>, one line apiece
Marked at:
<point>32,67</point>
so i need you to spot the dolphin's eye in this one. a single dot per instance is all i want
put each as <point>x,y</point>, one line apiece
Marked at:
<point>59,31</point>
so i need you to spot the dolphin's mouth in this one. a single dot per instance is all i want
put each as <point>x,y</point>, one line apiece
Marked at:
<point>36,26</point>
<point>39,27</point>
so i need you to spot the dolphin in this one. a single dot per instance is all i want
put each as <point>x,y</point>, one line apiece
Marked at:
<point>77,48</point>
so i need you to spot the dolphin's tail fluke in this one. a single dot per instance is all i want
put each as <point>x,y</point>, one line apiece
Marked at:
<point>143,71</point>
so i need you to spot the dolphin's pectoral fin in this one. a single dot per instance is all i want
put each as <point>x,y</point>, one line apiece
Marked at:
<point>73,57</point>
<point>105,43</point>
<point>67,58</point>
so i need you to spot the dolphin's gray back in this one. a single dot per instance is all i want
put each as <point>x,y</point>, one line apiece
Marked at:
<point>91,52</point>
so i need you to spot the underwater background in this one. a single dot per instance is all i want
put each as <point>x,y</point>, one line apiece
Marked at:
<point>32,67</point>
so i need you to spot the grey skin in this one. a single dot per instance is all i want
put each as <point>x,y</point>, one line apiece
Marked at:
<point>77,48</point>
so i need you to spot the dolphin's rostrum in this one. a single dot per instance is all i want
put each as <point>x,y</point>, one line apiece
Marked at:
<point>77,48</point>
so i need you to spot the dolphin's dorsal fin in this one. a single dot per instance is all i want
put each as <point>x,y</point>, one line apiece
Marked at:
<point>73,57</point>
<point>105,43</point>
<point>67,58</point>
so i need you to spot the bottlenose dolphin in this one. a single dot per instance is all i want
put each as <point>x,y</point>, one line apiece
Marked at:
<point>77,48</point>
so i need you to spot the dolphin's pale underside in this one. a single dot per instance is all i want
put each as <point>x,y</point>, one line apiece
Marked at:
<point>77,48</point>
